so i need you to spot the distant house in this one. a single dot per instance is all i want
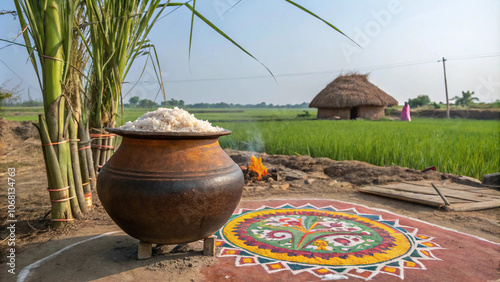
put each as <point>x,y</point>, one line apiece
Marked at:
<point>352,96</point>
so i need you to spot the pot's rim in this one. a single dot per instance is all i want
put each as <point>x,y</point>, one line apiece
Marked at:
<point>167,135</point>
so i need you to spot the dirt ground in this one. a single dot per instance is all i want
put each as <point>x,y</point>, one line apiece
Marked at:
<point>294,177</point>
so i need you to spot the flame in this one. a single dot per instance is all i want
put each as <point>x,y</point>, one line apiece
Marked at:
<point>257,166</point>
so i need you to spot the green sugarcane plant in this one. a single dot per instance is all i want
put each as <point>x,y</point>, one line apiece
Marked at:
<point>118,33</point>
<point>47,27</point>
<point>52,45</point>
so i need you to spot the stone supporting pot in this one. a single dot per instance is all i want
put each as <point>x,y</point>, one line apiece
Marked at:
<point>169,188</point>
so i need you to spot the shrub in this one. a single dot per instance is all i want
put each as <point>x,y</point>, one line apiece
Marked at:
<point>420,101</point>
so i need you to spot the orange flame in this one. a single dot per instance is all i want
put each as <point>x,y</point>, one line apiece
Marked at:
<point>257,166</point>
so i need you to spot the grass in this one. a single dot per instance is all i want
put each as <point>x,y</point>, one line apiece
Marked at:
<point>21,113</point>
<point>213,115</point>
<point>239,115</point>
<point>464,147</point>
<point>458,146</point>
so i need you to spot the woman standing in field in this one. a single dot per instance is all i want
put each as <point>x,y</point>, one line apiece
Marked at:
<point>405,113</point>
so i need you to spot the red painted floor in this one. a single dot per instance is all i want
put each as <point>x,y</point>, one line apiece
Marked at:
<point>460,257</point>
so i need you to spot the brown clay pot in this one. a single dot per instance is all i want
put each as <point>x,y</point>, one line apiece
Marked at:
<point>169,188</point>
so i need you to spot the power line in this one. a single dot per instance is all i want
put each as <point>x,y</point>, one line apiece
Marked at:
<point>370,68</point>
<point>474,56</point>
<point>11,70</point>
<point>175,9</point>
<point>301,73</point>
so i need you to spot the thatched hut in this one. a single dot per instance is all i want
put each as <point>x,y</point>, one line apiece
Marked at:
<point>352,96</point>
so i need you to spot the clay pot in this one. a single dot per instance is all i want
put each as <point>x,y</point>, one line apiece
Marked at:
<point>169,188</point>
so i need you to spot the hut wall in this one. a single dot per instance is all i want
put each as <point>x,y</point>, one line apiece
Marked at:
<point>371,112</point>
<point>330,113</point>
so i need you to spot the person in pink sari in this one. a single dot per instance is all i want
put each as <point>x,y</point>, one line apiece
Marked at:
<point>405,113</point>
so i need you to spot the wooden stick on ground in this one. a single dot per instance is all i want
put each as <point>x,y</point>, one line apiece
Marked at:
<point>440,194</point>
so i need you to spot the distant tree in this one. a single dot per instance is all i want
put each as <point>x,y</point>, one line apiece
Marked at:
<point>466,99</point>
<point>496,104</point>
<point>8,95</point>
<point>239,106</point>
<point>145,103</point>
<point>420,101</point>
<point>134,100</point>
<point>435,105</point>
<point>173,103</point>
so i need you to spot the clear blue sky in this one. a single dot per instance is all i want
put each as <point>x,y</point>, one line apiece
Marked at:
<point>401,41</point>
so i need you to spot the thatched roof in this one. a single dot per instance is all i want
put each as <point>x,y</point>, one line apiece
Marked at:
<point>351,90</point>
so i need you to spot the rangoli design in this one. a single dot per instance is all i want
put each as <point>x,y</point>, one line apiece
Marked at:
<point>323,241</point>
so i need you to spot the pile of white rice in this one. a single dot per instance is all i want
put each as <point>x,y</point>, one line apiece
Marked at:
<point>170,120</point>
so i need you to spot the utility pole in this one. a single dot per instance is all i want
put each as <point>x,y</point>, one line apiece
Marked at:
<point>446,89</point>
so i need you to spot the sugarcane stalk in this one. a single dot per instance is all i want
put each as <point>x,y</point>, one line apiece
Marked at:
<point>96,148</point>
<point>90,161</point>
<point>53,73</point>
<point>82,153</point>
<point>75,207</point>
<point>106,149</point>
<point>45,158</point>
<point>75,164</point>
<point>60,210</point>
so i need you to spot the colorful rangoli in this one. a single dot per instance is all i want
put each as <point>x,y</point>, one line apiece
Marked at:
<point>323,241</point>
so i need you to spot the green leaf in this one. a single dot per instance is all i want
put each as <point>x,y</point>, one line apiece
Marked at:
<point>191,34</point>
<point>321,19</point>
<point>210,24</point>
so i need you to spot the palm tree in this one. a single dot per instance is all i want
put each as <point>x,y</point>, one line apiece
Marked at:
<point>466,99</point>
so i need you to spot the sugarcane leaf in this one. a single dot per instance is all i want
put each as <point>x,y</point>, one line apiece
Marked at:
<point>191,34</point>
<point>162,84</point>
<point>319,18</point>
<point>210,24</point>
<point>16,43</point>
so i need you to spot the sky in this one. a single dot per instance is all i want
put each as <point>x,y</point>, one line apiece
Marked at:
<point>402,43</point>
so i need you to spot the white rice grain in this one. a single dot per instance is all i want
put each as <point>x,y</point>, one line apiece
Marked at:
<point>170,120</point>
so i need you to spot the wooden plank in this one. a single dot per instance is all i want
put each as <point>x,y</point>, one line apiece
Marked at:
<point>473,206</point>
<point>464,195</point>
<point>430,200</point>
<point>460,200</point>
<point>422,195</point>
<point>425,191</point>
<point>454,186</point>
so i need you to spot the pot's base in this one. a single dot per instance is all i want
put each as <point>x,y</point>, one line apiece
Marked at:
<point>145,250</point>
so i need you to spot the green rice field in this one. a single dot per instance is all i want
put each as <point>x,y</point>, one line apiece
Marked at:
<point>464,147</point>
<point>458,146</point>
